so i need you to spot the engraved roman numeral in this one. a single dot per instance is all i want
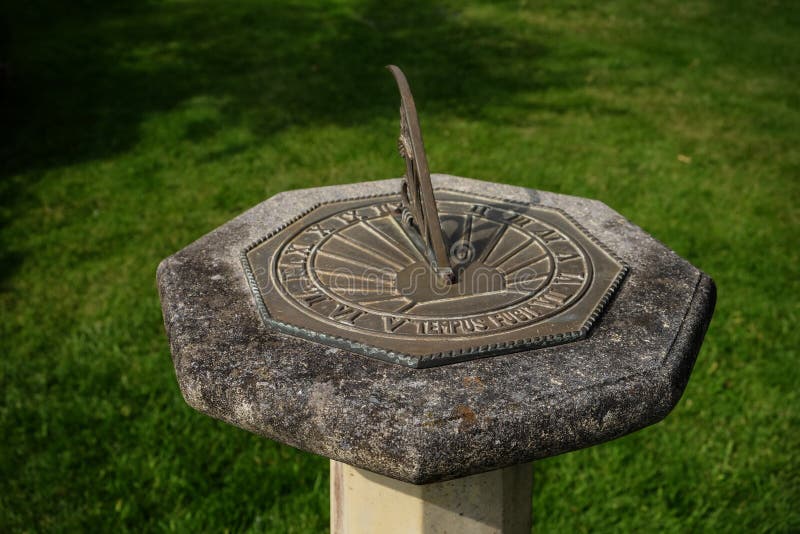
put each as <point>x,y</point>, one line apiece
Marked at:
<point>479,209</point>
<point>515,218</point>
<point>351,216</point>
<point>314,298</point>
<point>293,273</point>
<point>345,313</point>
<point>318,229</point>
<point>548,236</point>
<point>569,279</point>
<point>294,248</point>
<point>566,257</point>
<point>390,324</point>
<point>387,209</point>
<point>551,300</point>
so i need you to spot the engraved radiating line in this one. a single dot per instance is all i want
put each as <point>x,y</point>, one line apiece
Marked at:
<point>341,258</point>
<point>466,235</point>
<point>377,232</point>
<point>525,264</point>
<point>353,275</point>
<point>527,280</point>
<point>407,307</point>
<point>487,293</point>
<point>467,219</point>
<point>382,299</point>
<point>306,294</point>
<point>511,253</point>
<point>408,239</point>
<point>367,291</point>
<point>372,253</point>
<point>493,243</point>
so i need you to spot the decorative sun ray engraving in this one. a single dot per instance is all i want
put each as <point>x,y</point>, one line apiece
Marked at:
<point>369,253</point>
<point>390,243</point>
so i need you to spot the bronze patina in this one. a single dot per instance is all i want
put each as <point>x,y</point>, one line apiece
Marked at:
<point>420,213</point>
<point>422,280</point>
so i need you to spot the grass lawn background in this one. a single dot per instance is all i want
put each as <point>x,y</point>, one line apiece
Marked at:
<point>131,129</point>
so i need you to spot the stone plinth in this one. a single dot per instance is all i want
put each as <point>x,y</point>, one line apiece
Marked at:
<point>434,424</point>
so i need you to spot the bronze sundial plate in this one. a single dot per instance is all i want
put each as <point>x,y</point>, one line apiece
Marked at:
<point>346,274</point>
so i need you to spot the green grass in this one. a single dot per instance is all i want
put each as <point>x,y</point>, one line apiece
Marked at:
<point>130,129</point>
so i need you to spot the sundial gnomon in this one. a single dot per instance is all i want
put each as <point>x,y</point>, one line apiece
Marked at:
<point>424,278</point>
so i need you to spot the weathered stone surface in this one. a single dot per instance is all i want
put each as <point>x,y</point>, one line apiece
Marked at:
<point>426,425</point>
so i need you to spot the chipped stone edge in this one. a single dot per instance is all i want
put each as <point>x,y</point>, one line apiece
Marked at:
<point>668,386</point>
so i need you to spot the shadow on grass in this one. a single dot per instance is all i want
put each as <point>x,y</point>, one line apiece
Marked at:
<point>81,78</point>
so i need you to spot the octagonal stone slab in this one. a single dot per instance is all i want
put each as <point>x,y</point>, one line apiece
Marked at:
<point>426,425</point>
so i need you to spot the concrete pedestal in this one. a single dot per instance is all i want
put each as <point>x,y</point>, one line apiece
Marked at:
<point>492,502</point>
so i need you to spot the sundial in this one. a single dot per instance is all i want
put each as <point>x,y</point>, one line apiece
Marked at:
<point>425,276</point>
<point>432,336</point>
